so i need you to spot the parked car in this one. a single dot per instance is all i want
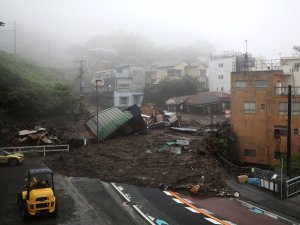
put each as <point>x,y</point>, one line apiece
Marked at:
<point>11,159</point>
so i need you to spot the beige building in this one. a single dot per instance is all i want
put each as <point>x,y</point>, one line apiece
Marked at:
<point>166,70</point>
<point>198,70</point>
<point>259,115</point>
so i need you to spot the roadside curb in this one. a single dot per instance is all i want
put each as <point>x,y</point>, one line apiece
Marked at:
<point>136,208</point>
<point>267,213</point>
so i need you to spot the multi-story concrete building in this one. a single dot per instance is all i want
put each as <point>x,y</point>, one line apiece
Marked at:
<point>259,113</point>
<point>220,68</point>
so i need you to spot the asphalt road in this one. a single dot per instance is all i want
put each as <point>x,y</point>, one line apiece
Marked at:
<point>90,201</point>
<point>81,200</point>
<point>187,210</point>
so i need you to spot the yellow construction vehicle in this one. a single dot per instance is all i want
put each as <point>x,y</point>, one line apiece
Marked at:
<point>39,194</point>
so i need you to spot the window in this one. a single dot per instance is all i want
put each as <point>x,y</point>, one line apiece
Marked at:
<point>221,77</point>
<point>249,107</point>
<point>123,100</point>
<point>202,73</point>
<point>280,130</point>
<point>262,106</point>
<point>240,84</point>
<point>136,99</point>
<point>296,132</point>
<point>174,73</point>
<point>220,65</point>
<point>261,84</point>
<point>222,89</point>
<point>124,86</point>
<point>283,108</point>
<point>250,152</point>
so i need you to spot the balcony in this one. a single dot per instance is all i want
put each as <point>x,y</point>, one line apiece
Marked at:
<point>283,91</point>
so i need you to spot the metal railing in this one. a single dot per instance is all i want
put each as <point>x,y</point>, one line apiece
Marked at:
<point>292,186</point>
<point>284,91</point>
<point>256,65</point>
<point>42,149</point>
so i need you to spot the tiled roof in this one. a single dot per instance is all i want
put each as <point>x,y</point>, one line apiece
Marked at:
<point>169,63</point>
<point>202,98</point>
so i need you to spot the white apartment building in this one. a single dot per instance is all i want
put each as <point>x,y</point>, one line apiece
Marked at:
<point>220,68</point>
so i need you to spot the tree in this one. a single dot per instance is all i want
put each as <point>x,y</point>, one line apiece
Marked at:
<point>170,88</point>
<point>2,23</point>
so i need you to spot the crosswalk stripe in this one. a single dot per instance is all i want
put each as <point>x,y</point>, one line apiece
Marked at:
<point>207,211</point>
<point>177,200</point>
<point>192,210</point>
<point>167,193</point>
<point>212,221</point>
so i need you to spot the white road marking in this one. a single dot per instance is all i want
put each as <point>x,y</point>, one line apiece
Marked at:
<point>143,215</point>
<point>120,188</point>
<point>207,211</point>
<point>189,201</point>
<point>272,215</point>
<point>167,193</point>
<point>121,193</point>
<point>212,221</point>
<point>151,217</point>
<point>192,210</point>
<point>177,200</point>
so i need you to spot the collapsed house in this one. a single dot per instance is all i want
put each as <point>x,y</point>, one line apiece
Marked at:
<point>113,121</point>
<point>201,103</point>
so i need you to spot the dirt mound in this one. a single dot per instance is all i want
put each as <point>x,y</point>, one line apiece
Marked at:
<point>143,160</point>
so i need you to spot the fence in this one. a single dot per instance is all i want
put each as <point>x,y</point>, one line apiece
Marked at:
<point>43,149</point>
<point>292,186</point>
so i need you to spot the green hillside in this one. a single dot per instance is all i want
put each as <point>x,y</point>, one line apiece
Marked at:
<point>28,90</point>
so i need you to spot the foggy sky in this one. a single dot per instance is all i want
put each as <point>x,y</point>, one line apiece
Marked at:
<point>271,27</point>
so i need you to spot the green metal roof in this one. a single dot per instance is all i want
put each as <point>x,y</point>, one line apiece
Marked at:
<point>110,120</point>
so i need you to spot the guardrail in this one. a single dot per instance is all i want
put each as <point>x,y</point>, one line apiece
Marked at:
<point>43,148</point>
<point>292,186</point>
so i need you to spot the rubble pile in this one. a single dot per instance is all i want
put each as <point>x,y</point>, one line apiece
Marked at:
<point>158,157</point>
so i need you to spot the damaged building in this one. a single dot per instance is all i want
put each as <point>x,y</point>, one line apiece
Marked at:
<point>201,103</point>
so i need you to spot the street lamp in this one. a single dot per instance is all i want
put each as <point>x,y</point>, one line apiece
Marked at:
<point>97,109</point>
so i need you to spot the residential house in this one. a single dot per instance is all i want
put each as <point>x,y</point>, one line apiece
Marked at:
<point>259,113</point>
<point>197,69</point>
<point>201,103</point>
<point>174,69</point>
<point>122,86</point>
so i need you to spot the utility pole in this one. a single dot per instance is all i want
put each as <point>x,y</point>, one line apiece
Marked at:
<point>288,157</point>
<point>81,96</point>
<point>97,104</point>
<point>80,75</point>
<point>246,56</point>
